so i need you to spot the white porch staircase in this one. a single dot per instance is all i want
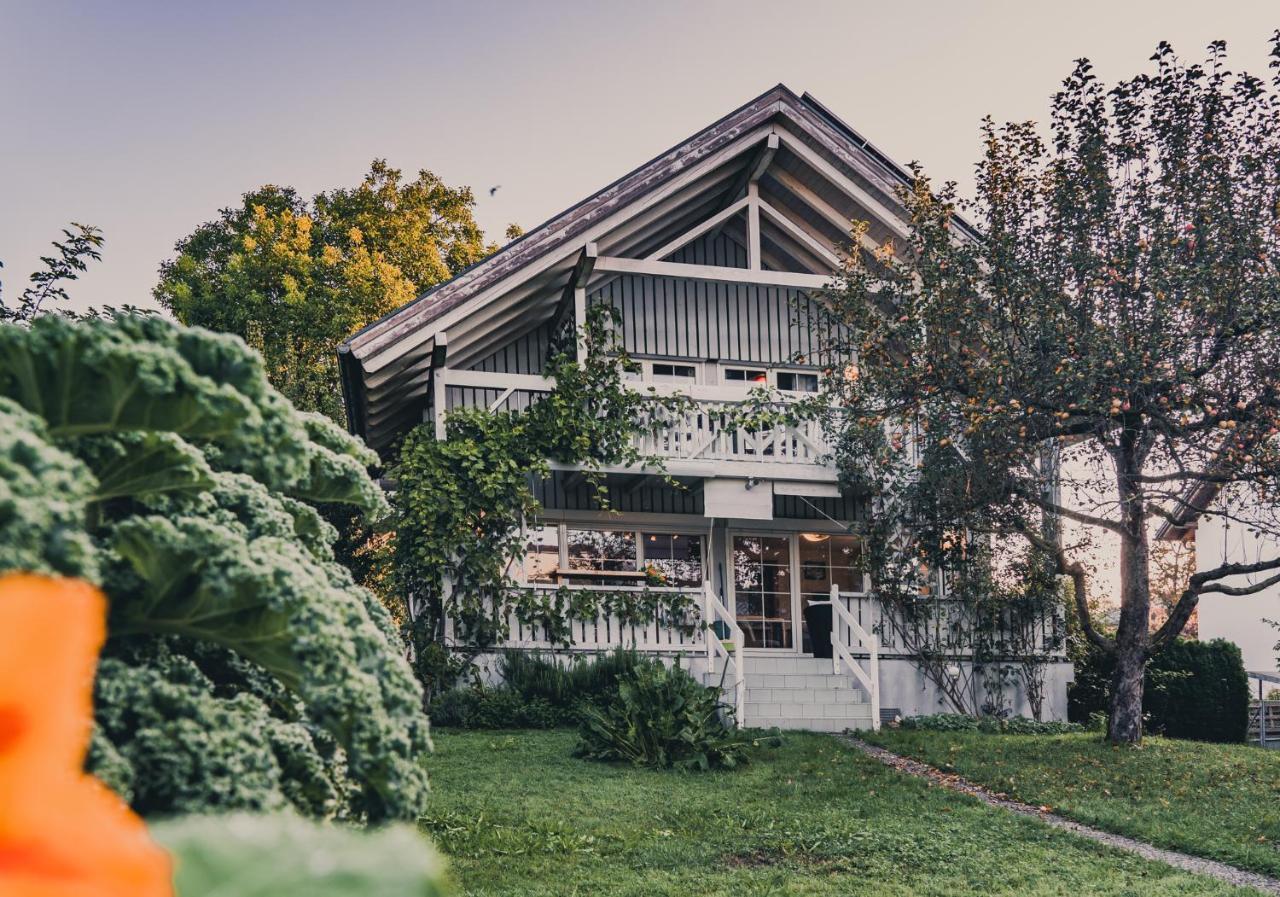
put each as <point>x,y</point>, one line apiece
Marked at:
<point>803,693</point>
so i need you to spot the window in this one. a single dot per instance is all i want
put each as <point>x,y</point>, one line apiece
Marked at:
<point>542,557</point>
<point>676,558</point>
<point>621,557</point>
<point>745,375</point>
<point>795,381</point>
<point>673,373</point>
<point>762,590</point>
<point>608,551</point>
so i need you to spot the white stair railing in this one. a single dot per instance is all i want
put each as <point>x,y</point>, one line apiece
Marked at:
<point>842,651</point>
<point>714,611</point>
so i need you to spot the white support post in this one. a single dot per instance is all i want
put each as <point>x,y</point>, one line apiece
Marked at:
<point>753,225</point>
<point>439,395</point>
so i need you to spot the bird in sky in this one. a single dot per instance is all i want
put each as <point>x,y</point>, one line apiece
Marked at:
<point>493,190</point>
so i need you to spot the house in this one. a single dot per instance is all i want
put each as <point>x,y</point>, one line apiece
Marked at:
<point>714,255</point>
<point>1246,620</point>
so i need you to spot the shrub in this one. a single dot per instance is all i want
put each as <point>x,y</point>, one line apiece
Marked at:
<point>1198,690</point>
<point>495,708</point>
<point>1195,690</point>
<point>956,722</point>
<point>661,718</point>
<point>565,686</point>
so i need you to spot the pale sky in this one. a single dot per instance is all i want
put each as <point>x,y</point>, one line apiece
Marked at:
<point>144,118</point>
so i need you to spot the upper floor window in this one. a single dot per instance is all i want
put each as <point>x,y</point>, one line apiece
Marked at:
<point>746,375</point>
<point>797,381</point>
<point>662,372</point>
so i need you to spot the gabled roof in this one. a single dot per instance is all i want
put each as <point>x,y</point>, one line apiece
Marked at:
<point>821,174</point>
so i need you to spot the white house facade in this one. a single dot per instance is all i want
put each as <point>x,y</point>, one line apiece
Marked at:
<point>713,255</point>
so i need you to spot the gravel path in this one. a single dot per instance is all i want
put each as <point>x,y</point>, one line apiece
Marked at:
<point>1186,862</point>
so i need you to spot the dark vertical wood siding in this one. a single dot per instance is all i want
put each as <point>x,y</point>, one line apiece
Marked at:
<point>556,493</point>
<point>524,355</point>
<point>679,318</point>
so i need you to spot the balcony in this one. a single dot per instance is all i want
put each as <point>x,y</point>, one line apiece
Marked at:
<point>700,441</point>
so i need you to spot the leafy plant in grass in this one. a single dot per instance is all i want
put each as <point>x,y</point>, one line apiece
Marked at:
<point>566,685</point>
<point>662,718</point>
<point>243,668</point>
<point>495,708</point>
<point>959,722</point>
<point>537,692</point>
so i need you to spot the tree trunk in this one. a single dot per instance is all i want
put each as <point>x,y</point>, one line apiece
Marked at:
<point>1124,725</point>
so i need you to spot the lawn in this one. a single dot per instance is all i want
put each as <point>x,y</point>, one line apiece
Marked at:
<point>519,816</point>
<point>1217,801</point>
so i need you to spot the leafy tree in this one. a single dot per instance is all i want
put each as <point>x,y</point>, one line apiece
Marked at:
<point>243,667</point>
<point>81,245</point>
<point>1121,312</point>
<point>293,279</point>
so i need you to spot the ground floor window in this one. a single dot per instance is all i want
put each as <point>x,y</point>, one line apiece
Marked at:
<point>580,555</point>
<point>674,559</point>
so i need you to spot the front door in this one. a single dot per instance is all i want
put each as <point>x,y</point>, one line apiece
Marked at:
<point>776,575</point>
<point>763,589</point>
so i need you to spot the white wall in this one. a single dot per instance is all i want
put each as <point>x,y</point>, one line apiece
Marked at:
<point>1239,619</point>
<point>902,686</point>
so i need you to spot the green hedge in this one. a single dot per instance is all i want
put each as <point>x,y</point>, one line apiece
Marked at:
<point>1014,725</point>
<point>537,692</point>
<point>1195,690</point>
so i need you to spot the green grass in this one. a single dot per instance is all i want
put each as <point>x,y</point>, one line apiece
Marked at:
<point>519,816</point>
<point>1213,800</point>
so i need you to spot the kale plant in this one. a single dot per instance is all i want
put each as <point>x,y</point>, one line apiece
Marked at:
<point>243,668</point>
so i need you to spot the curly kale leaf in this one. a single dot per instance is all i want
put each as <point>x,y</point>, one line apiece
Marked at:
<point>142,374</point>
<point>43,492</point>
<point>94,377</point>
<point>282,856</point>
<point>233,577</point>
<point>179,747</point>
<point>133,465</point>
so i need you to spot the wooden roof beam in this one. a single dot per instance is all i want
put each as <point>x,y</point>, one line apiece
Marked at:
<point>693,233</point>
<point>615,265</point>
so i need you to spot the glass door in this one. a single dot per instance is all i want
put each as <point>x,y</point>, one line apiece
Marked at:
<point>825,560</point>
<point>775,577</point>
<point>762,590</point>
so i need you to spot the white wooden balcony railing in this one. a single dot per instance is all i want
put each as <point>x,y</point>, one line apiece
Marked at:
<point>663,634</point>
<point>706,434</point>
<point>707,627</point>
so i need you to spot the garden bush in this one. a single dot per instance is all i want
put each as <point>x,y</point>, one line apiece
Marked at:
<point>537,692</point>
<point>243,668</point>
<point>496,708</point>
<point>957,722</point>
<point>662,718</point>
<point>1195,690</point>
<point>566,685</point>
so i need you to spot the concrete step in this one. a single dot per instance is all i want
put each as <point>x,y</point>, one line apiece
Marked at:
<point>809,725</point>
<point>830,695</point>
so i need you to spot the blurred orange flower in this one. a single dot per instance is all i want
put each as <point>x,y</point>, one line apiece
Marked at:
<point>62,832</point>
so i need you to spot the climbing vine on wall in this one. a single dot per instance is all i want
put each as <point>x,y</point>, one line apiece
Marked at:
<point>462,503</point>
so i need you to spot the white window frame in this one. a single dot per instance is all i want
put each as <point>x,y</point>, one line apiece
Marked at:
<point>647,374</point>
<point>770,375</point>
<point>638,530</point>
